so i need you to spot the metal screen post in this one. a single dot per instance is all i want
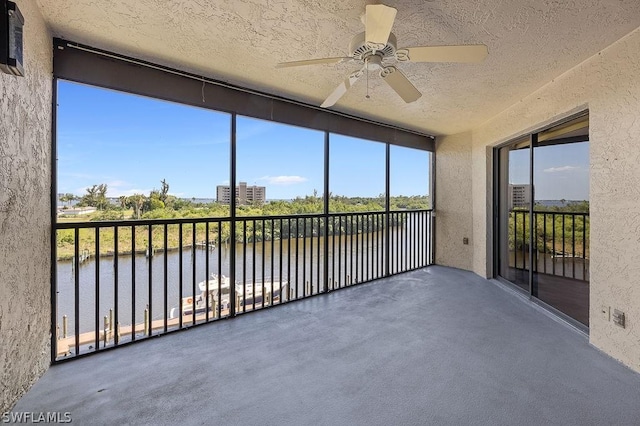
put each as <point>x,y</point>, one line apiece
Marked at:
<point>387,204</point>
<point>232,223</point>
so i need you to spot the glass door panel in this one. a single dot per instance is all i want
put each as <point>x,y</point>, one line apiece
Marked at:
<point>514,202</point>
<point>561,210</point>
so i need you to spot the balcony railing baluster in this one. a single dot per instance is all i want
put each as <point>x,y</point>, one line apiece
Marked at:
<point>206,270</point>
<point>341,279</point>
<point>97,289</point>
<point>253,266</point>
<point>116,325</point>
<point>544,242</point>
<point>310,259</point>
<point>219,304</point>
<point>405,242</point>
<point>564,247</point>
<point>296,257</point>
<point>150,274</point>
<point>322,253</point>
<point>524,240</point>
<point>193,273</point>
<point>273,261</point>
<point>584,245</point>
<point>564,250</point>
<point>280,262</point>
<point>133,282</point>
<point>180,268</point>
<point>573,245</point>
<point>165,277</point>
<point>320,257</point>
<point>244,268</point>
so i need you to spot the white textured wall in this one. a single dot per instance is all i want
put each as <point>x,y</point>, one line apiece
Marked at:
<point>608,84</point>
<point>454,214</point>
<point>25,158</point>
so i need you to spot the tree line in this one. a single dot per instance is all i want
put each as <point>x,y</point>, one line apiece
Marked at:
<point>159,204</point>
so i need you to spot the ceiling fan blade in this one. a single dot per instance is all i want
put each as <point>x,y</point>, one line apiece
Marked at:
<point>341,89</point>
<point>462,53</point>
<point>312,62</point>
<point>378,23</point>
<point>400,84</point>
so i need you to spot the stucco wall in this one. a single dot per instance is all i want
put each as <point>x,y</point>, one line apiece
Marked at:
<point>25,158</point>
<point>608,85</point>
<point>454,214</point>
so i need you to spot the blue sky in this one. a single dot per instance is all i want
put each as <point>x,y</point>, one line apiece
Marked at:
<point>131,143</point>
<point>560,171</point>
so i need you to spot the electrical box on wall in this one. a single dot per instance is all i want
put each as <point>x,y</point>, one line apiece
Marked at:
<point>11,23</point>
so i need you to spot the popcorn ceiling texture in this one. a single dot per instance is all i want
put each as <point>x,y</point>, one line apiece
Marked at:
<point>25,170</point>
<point>608,85</point>
<point>530,43</point>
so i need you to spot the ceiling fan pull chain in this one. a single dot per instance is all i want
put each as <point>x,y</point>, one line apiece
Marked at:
<point>366,66</point>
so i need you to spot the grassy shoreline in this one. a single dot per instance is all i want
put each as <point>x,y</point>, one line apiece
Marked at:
<point>65,249</point>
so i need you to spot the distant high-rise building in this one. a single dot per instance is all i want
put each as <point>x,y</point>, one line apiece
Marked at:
<point>519,196</point>
<point>244,194</point>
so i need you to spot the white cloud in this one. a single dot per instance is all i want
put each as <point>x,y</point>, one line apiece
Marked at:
<point>117,188</point>
<point>560,169</point>
<point>126,192</point>
<point>283,180</point>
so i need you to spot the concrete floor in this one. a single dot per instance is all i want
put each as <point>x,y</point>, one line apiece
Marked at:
<point>435,346</point>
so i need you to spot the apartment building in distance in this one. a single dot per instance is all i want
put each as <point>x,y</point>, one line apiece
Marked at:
<point>244,194</point>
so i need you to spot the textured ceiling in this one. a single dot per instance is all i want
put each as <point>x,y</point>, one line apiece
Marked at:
<point>240,41</point>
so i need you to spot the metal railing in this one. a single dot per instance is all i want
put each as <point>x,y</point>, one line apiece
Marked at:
<point>560,243</point>
<point>118,282</point>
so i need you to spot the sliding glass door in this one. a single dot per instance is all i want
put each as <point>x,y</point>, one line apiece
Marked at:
<point>542,216</point>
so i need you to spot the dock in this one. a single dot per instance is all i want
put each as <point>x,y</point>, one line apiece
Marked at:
<point>66,345</point>
<point>113,336</point>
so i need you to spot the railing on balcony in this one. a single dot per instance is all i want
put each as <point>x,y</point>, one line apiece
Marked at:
<point>122,281</point>
<point>561,243</point>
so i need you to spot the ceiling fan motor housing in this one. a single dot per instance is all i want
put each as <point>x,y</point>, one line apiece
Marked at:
<point>360,50</point>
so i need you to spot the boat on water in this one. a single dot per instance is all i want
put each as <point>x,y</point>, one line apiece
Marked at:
<point>268,291</point>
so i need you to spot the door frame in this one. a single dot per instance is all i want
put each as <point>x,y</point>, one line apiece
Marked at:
<point>497,180</point>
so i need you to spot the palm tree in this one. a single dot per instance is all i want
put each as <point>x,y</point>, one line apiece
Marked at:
<point>164,192</point>
<point>136,201</point>
<point>68,198</point>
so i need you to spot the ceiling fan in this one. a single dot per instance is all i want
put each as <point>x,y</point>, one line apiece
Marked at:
<point>376,49</point>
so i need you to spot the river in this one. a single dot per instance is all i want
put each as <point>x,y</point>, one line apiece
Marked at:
<point>367,264</point>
